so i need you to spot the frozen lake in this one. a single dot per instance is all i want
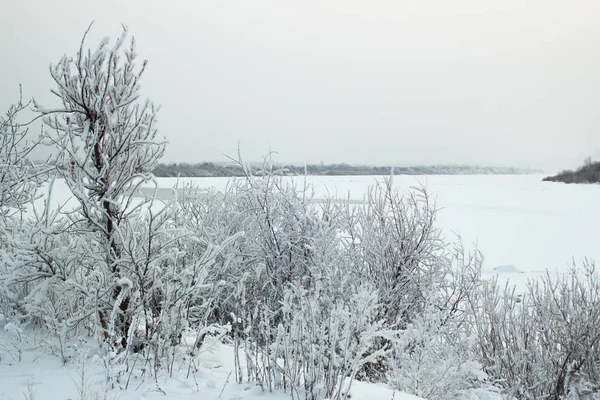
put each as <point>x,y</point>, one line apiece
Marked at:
<point>521,224</point>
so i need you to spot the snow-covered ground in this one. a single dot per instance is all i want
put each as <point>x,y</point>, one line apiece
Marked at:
<point>41,376</point>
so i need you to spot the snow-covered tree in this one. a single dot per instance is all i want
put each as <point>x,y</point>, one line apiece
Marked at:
<point>106,137</point>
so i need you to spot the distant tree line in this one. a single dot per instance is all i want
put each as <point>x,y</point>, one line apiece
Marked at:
<point>589,172</point>
<point>209,169</point>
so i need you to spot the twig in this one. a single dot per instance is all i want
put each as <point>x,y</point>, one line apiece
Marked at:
<point>225,384</point>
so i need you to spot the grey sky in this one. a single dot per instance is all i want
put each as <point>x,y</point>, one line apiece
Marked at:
<point>493,82</point>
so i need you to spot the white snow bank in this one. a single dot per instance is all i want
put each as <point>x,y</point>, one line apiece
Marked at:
<point>44,377</point>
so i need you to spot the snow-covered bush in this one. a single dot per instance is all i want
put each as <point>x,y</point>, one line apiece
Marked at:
<point>325,337</point>
<point>544,343</point>
<point>20,179</point>
<point>16,338</point>
<point>282,230</point>
<point>286,283</point>
<point>433,355</point>
<point>392,243</point>
<point>42,279</point>
<point>395,245</point>
<point>428,363</point>
<point>19,175</point>
<point>293,276</point>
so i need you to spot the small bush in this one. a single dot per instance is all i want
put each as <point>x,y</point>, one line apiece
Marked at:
<point>545,342</point>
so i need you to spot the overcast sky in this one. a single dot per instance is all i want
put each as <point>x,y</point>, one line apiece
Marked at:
<point>490,82</point>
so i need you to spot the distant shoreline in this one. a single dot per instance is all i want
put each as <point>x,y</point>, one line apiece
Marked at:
<point>221,170</point>
<point>587,173</point>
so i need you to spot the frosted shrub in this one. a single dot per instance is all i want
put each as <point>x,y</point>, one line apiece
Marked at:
<point>429,365</point>
<point>296,273</point>
<point>293,291</point>
<point>325,338</point>
<point>544,343</point>
<point>45,282</point>
<point>433,355</point>
<point>393,243</point>
<point>16,339</point>
<point>284,236</point>
<point>19,177</point>
<point>214,217</point>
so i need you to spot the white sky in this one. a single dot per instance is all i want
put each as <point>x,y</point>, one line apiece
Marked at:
<point>491,82</point>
